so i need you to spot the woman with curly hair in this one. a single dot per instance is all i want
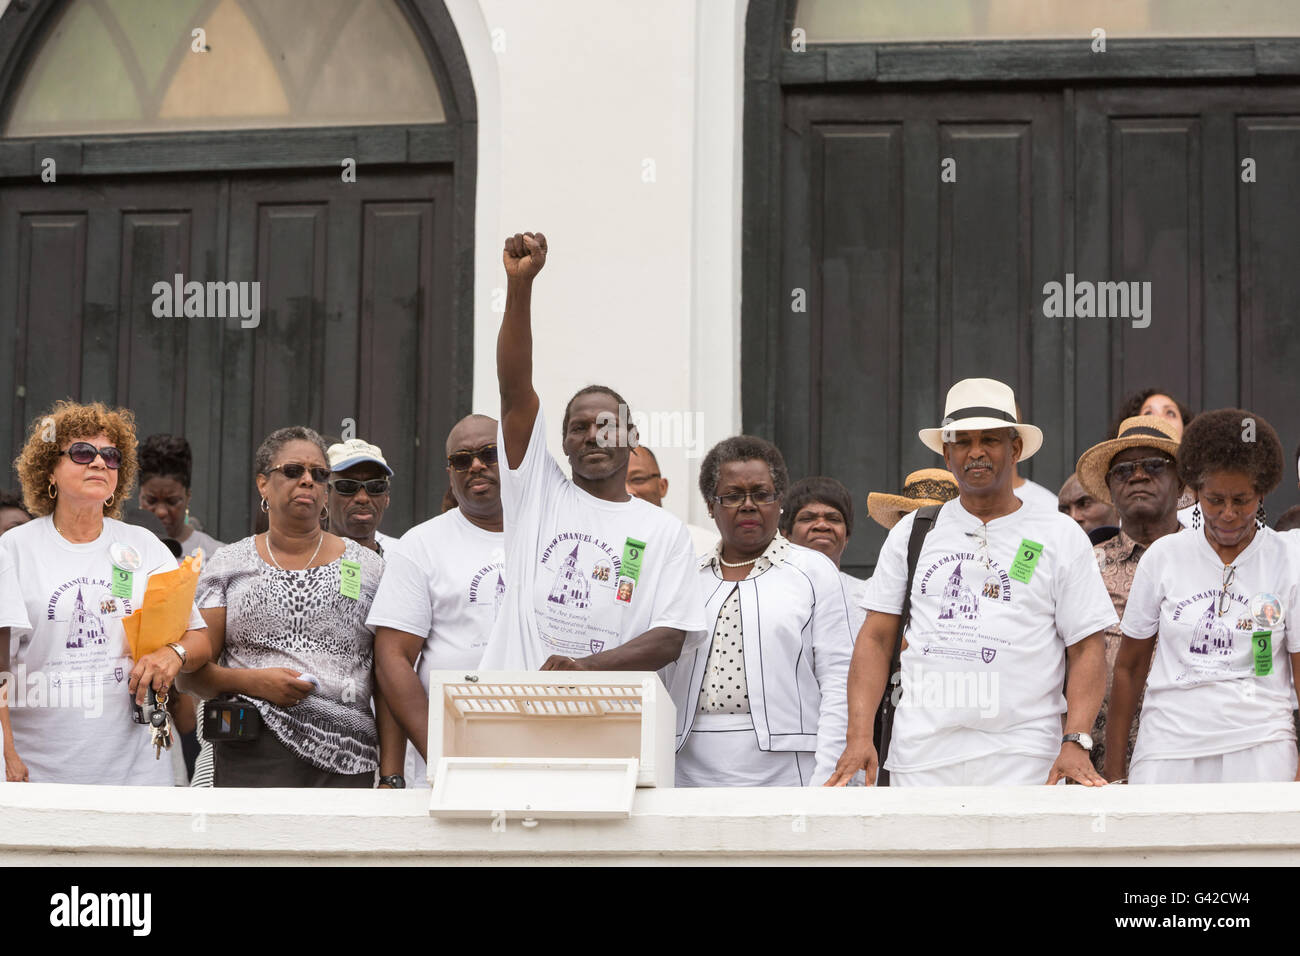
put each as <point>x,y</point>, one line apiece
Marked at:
<point>166,466</point>
<point>1219,596</point>
<point>72,574</point>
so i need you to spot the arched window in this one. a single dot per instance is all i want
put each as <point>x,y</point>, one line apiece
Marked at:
<point>315,156</point>
<point>129,66</point>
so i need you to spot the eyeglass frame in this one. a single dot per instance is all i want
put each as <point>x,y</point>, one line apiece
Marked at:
<point>1229,575</point>
<point>362,483</point>
<point>474,453</point>
<point>98,453</point>
<point>314,470</point>
<point>747,495</point>
<point>1137,463</point>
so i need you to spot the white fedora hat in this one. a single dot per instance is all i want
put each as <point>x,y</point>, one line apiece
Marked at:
<point>978,404</point>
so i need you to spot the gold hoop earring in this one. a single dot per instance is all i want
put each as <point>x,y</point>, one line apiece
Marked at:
<point>265,509</point>
<point>53,490</point>
<point>109,502</point>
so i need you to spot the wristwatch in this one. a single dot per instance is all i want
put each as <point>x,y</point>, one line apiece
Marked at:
<point>1083,740</point>
<point>394,780</point>
<point>179,650</point>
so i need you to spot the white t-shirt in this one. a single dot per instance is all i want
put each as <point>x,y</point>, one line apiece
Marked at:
<point>72,722</point>
<point>1203,696</point>
<point>445,580</point>
<point>703,540</point>
<point>565,557</point>
<point>385,541</point>
<point>854,590</point>
<point>1036,496</point>
<point>984,668</point>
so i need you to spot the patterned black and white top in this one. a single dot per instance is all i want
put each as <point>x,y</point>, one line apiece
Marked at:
<point>301,620</point>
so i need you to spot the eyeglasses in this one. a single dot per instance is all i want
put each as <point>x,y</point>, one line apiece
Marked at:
<point>463,460</point>
<point>1154,467</point>
<point>348,487</point>
<point>293,471</point>
<point>83,453</point>
<point>737,498</point>
<point>982,538</point>
<point>1229,575</point>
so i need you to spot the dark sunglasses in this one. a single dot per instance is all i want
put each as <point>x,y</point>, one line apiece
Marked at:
<point>1125,470</point>
<point>83,453</point>
<point>462,460</point>
<point>293,471</point>
<point>348,487</point>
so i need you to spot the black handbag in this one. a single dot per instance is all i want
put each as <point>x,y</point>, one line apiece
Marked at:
<point>925,518</point>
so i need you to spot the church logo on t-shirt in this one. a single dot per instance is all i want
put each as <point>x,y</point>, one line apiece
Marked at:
<point>570,588</point>
<point>85,629</point>
<point>959,601</point>
<point>1211,637</point>
<point>488,586</point>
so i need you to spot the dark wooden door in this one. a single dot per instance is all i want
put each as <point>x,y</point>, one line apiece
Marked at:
<point>911,282</point>
<point>1161,198</point>
<point>355,318</point>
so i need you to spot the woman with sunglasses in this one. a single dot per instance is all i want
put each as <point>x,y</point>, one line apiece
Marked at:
<point>75,572</point>
<point>286,614</point>
<point>1220,597</point>
<point>761,697</point>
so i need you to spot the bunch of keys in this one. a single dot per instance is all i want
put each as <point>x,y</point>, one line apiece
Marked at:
<point>161,723</point>
<point>154,714</point>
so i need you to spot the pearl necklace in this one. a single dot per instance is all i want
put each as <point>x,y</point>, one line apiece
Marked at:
<point>319,540</point>
<point>738,564</point>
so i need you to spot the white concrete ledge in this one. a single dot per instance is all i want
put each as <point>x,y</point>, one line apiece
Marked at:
<point>1180,825</point>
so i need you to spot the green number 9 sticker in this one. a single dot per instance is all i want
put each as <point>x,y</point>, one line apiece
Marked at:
<point>350,579</point>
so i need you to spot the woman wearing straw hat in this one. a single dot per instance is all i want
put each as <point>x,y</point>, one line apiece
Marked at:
<point>1137,473</point>
<point>929,486</point>
<point>1220,598</point>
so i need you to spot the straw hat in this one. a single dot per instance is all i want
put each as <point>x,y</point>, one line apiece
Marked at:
<point>1140,431</point>
<point>929,486</point>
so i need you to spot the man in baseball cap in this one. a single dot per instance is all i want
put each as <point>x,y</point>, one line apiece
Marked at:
<point>1003,594</point>
<point>359,489</point>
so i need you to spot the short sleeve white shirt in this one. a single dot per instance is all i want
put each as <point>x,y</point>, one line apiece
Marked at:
<point>575,587</point>
<point>1204,695</point>
<point>984,668</point>
<point>69,707</point>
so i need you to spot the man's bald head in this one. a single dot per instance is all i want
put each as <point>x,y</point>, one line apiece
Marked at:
<point>472,431</point>
<point>643,477</point>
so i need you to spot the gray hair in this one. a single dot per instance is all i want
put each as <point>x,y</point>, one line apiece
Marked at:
<point>273,442</point>
<point>742,448</point>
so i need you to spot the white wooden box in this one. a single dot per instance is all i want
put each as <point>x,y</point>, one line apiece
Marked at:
<point>546,743</point>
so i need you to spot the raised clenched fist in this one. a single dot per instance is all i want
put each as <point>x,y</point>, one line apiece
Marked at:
<point>524,255</point>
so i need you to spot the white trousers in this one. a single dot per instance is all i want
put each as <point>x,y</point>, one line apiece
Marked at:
<point>722,751</point>
<point>1008,770</point>
<point>1275,761</point>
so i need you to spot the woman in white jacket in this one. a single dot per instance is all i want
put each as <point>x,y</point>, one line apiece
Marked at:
<point>761,696</point>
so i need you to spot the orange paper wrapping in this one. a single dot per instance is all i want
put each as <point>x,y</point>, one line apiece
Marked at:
<point>165,612</point>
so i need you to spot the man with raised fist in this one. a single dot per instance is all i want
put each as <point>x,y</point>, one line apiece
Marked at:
<point>599,580</point>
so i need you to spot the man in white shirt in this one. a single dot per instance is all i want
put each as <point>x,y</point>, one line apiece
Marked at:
<point>442,586</point>
<point>598,579</point>
<point>645,481</point>
<point>1003,594</point>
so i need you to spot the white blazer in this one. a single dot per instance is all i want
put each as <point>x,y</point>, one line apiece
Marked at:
<point>795,629</point>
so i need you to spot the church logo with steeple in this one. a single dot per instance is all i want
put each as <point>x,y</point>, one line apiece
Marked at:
<point>1212,636</point>
<point>570,588</point>
<point>85,629</point>
<point>959,601</point>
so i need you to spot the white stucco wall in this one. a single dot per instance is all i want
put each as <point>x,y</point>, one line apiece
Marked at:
<point>641,289</point>
<point>1192,825</point>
